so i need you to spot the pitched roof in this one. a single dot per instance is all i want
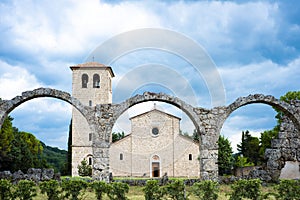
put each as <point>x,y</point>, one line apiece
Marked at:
<point>154,109</point>
<point>93,65</point>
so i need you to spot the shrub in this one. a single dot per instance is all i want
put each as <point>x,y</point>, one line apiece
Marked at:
<point>84,169</point>
<point>5,189</point>
<point>288,189</point>
<point>99,187</point>
<point>117,190</point>
<point>25,190</point>
<point>73,188</point>
<point>51,188</point>
<point>176,190</point>
<point>206,190</point>
<point>152,190</point>
<point>246,188</point>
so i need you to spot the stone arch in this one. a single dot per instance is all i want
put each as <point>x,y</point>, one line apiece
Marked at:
<point>149,96</point>
<point>270,100</point>
<point>6,106</point>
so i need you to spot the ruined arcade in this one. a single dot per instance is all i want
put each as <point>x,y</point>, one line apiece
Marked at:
<point>94,115</point>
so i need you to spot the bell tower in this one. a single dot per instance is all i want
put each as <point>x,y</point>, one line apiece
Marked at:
<point>91,85</point>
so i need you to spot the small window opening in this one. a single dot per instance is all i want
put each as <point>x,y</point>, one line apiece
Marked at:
<point>90,137</point>
<point>90,161</point>
<point>90,103</point>
<point>190,157</point>
<point>84,80</point>
<point>96,81</point>
<point>121,156</point>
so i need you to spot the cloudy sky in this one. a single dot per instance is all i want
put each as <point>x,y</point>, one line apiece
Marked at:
<point>254,46</point>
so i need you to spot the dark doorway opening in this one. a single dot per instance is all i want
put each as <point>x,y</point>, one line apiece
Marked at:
<point>155,169</point>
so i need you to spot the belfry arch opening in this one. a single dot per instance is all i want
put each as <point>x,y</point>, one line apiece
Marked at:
<point>145,125</point>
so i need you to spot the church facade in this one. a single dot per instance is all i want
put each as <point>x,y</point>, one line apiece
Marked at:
<point>153,148</point>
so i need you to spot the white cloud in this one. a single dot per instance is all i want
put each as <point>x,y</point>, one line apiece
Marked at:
<point>264,77</point>
<point>14,80</point>
<point>70,27</point>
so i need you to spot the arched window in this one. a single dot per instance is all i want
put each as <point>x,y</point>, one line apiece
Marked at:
<point>96,81</point>
<point>121,156</point>
<point>84,80</point>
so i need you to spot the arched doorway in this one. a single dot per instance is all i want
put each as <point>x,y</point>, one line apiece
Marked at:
<point>155,166</point>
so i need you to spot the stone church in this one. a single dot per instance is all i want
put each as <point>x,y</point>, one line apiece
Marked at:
<point>154,146</point>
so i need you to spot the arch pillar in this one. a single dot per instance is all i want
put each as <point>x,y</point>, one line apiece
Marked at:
<point>212,121</point>
<point>101,125</point>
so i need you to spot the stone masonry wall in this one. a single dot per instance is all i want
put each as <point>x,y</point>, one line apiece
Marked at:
<point>284,148</point>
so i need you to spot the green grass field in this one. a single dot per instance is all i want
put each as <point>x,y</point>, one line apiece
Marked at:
<point>136,193</point>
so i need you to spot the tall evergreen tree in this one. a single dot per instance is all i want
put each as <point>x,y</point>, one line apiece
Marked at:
<point>249,147</point>
<point>69,159</point>
<point>196,137</point>
<point>225,159</point>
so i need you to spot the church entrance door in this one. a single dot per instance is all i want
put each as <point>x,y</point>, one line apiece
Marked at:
<point>155,169</point>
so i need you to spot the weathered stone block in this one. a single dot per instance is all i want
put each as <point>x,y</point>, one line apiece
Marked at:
<point>260,174</point>
<point>295,143</point>
<point>278,143</point>
<point>288,154</point>
<point>272,154</point>
<point>209,164</point>
<point>47,174</point>
<point>210,154</point>
<point>272,165</point>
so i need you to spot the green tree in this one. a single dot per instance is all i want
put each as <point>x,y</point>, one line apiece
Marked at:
<point>249,147</point>
<point>196,137</point>
<point>265,141</point>
<point>242,161</point>
<point>20,157</point>
<point>6,138</point>
<point>117,136</point>
<point>225,159</point>
<point>291,95</point>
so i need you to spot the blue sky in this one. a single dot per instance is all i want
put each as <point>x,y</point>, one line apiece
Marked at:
<point>255,45</point>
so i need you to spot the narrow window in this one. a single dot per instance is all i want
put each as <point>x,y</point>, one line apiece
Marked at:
<point>90,137</point>
<point>121,156</point>
<point>190,157</point>
<point>90,161</point>
<point>84,80</point>
<point>110,84</point>
<point>90,103</point>
<point>96,81</point>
